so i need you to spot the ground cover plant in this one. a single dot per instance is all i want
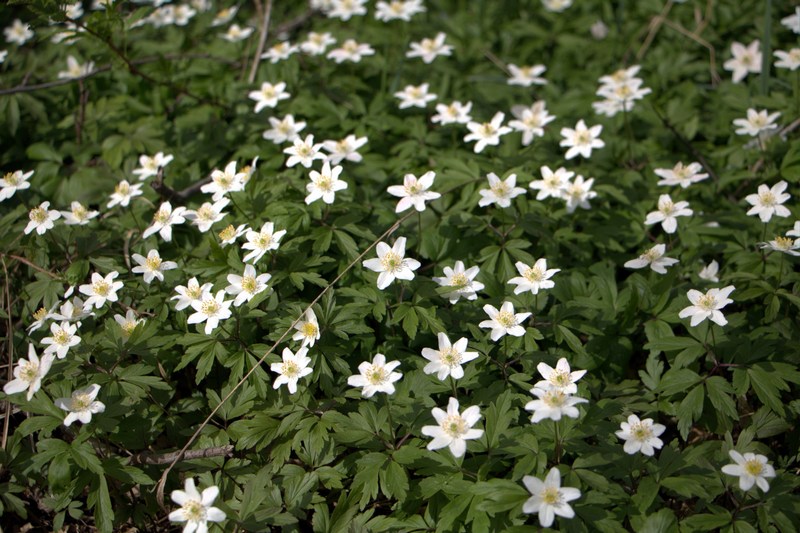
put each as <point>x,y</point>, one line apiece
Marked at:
<point>420,265</point>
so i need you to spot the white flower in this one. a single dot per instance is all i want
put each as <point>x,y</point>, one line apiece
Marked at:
<point>667,213</point>
<point>460,281</point>
<point>149,166</point>
<point>100,290</point>
<point>552,184</point>
<point>447,360</point>
<point>283,130</point>
<point>163,16</point>
<point>709,272</point>
<point>344,9</point>
<point>391,263</point>
<point>756,122</point>
<point>744,60</point>
<point>230,234</point>
<point>346,148</point>
<point>307,329</point>
<point>556,6</point>
<point>681,175</point>
<point>81,405</point>
<point>260,242</point>
<point>3,55</point>
<point>707,305</point>
<point>304,152</point>
<point>504,321</point>
<point>620,96</point>
<point>73,310</point>
<point>454,428</point>
<point>128,322</point>
<point>599,30</point>
<point>752,469</point>
<point>640,435</point>
<point>236,33</point>
<point>581,140</point>
<point>247,285</point>
<point>78,215</point>
<point>398,10</point>
<point>268,95</point>
<point>28,373</point>
<point>789,60</point>
<point>414,192</point>
<point>414,96</point>
<point>654,258</point>
<point>768,201</point>
<point>376,376</point>
<point>183,14</point>
<point>210,309</point>
<point>123,193</point>
<point>13,182</point>
<point>63,338</point>
<point>316,43</point>
<point>196,509</point>
<point>152,266</point>
<point>350,51</point>
<point>578,193</point>
<point>224,16</point>
<point>224,182</point>
<point>559,378</point>
<point>793,21</point>
<point>785,245</point>
<point>548,497</point>
<point>553,403</point>
<point>191,293</point>
<point>454,113</point>
<point>526,76</point>
<point>208,214</point>
<point>293,367</point>
<point>41,316</point>
<point>41,219</point>
<point>324,184</point>
<point>531,121</point>
<point>430,49</point>
<point>487,133</point>
<point>533,278</point>
<point>795,231</point>
<point>75,70</point>
<point>280,51</point>
<point>18,33</point>
<point>500,192</point>
<point>164,219</point>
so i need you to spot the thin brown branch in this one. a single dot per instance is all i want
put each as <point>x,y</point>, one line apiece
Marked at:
<point>148,458</point>
<point>9,351</point>
<point>262,39</point>
<point>32,265</point>
<point>688,145</point>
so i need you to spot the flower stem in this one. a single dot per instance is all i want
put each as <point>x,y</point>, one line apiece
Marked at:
<point>389,414</point>
<point>453,385</point>
<point>557,433</point>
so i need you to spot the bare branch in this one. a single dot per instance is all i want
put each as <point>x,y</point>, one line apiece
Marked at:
<point>149,458</point>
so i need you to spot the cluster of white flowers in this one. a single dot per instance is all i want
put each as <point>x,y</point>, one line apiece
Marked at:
<point>620,91</point>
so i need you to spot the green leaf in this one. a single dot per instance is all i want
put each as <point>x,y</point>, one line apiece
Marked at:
<point>766,386</point>
<point>367,477</point>
<point>499,417</point>
<point>690,410</point>
<point>100,501</point>
<point>572,340</point>
<point>719,392</point>
<point>394,481</point>
<point>661,522</point>
<point>707,522</point>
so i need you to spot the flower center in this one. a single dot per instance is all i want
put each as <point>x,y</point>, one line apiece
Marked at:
<point>559,378</point>
<point>193,292</point>
<point>707,302</point>
<point>554,398</point>
<point>153,263</point>
<point>391,262</point>
<point>641,432</point>
<point>500,189</point>
<point>304,150</point>
<point>551,496</point>
<point>506,319</point>
<point>309,330</point>
<point>268,92</point>
<point>11,179</point>
<point>650,255</point>
<point>206,213</point>
<point>61,337</point>
<point>784,243</point>
<point>454,425</point>
<point>194,511</point>
<point>224,181</point>
<point>228,233</point>
<point>325,183</point>
<point>209,307</point>
<point>534,275</point>
<point>40,314</point>
<point>416,93</point>
<point>122,188</point>
<point>746,60</point>
<point>290,369</point>
<point>161,216</point>
<point>624,92</point>
<point>350,47</point>
<point>583,137</point>
<point>249,284</point>
<point>767,198</point>
<point>459,280</point>
<point>38,215</point>
<point>80,402</point>
<point>28,371</point>
<point>667,208</point>
<point>376,375</point>
<point>79,212</point>
<point>487,130</point>
<point>101,288</point>
<point>396,7</point>
<point>754,467</point>
<point>263,240</point>
<point>128,327</point>
<point>450,357</point>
